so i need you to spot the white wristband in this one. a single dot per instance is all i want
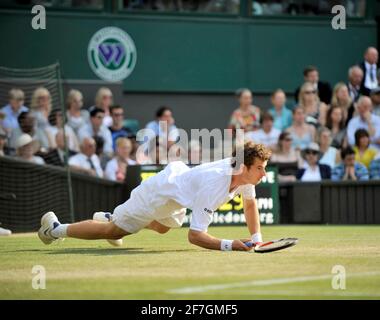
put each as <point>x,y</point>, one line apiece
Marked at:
<point>257,237</point>
<point>226,245</point>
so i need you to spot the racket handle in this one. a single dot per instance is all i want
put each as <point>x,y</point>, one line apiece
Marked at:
<point>249,244</point>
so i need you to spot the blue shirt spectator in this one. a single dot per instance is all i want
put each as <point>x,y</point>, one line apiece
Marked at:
<point>282,116</point>
<point>13,109</point>
<point>118,129</point>
<point>164,124</point>
<point>374,169</point>
<point>349,169</point>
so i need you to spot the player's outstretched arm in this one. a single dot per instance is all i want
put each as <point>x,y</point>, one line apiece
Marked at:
<point>252,219</point>
<point>204,240</point>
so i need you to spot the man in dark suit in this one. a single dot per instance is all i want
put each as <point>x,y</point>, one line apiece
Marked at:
<point>55,157</point>
<point>311,74</point>
<point>369,67</point>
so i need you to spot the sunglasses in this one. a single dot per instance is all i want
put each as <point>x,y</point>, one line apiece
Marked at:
<point>311,152</point>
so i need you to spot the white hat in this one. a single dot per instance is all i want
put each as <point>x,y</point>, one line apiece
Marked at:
<point>24,140</point>
<point>312,146</point>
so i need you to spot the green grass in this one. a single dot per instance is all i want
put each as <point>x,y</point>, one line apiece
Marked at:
<point>149,265</point>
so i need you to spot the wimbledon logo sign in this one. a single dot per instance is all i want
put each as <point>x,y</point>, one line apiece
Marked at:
<point>112,54</point>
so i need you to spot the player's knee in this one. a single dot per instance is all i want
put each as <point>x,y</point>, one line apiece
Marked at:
<point>191,236</point>
<point>114,232</point>
<point>162,229</point>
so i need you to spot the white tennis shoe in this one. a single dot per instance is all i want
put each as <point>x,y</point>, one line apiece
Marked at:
<point>107,217</point>
<point>49,221</point>
<point>5,232</point>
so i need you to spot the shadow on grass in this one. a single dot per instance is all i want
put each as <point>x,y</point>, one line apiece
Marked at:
<point>100,251</point>
<point>111,251</point>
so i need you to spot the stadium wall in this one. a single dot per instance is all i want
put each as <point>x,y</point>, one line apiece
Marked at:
<point>192,63</point>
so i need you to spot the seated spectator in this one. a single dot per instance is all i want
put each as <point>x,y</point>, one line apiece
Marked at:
<point>77,117</point>
<point>116,168</point>
<point>87,161</point>
<point>328,154</point>
<point>13,109</point>
<point>246,116</point>
<point>281,114</point>
<point>313,171</point>
<point>155,154</point>
<point>364,154</point>
<point>375,98</point>
<point>285,153</point>
<point>315,110</point>
<point>55,124</point>
<point>341,98</point>
<point>27,124</point>
<point>369,67</point>
<point>323,89</point>
<point>97,128</point>
<point>118,129</point>
<point>164,126</point>
<point>56,157</point>
<point>104,101</point>
<point>349,169</point>
<point>365,120</point>
<point>355,78</point>
<point>26,148</point>
<point>41,107</point>
<point>268,135</point>
<point>374,168</point>
<point>3,142</point>
<point>335,122</point>
<point>103,157</point>
<point>301,132</point>
<point>195,152</point>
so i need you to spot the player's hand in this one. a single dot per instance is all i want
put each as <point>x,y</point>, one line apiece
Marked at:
<point>238,245</point>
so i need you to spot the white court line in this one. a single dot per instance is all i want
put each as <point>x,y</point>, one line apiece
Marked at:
<point>268,282</point>
<point>335,293</point>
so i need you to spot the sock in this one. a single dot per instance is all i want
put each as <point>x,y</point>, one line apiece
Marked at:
<point>60,231</point>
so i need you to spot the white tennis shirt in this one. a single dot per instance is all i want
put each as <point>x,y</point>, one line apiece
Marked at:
<point>203,189</point>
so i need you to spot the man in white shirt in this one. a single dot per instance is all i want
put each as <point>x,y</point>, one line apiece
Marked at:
<point>267,135</point>
<point>97,128</point>
<point>87,161</point>
<point>160,202</point>
<point>365,120</point>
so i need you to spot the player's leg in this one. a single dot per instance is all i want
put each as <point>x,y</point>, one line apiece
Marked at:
<point>92,230</point>
<point>107,217</point>
<point>158,227</point>
<point>175,220</point>
<point>51,229</point>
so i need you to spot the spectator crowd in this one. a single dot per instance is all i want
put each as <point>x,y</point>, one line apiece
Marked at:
<point>329,133</point>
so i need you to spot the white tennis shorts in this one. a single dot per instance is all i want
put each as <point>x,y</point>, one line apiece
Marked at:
<point>171,215</point>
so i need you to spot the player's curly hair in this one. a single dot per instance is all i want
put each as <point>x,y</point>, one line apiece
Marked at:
<point>248,152</point>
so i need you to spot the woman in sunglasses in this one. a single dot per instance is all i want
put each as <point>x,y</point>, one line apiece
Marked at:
<point>315,110</point>
<point>313,170</point>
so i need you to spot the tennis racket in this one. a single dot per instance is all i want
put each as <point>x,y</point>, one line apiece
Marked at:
<point>273,245</point>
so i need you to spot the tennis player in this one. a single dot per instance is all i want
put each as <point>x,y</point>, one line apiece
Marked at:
<point>159,203</point>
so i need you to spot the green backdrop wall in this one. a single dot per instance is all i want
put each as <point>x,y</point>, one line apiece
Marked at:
<point>192,54</point>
